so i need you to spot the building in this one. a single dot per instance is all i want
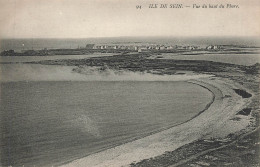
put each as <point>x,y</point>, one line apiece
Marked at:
<point>90,46</point>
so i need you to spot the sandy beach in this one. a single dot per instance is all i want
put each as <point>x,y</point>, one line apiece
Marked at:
<point>216,122</point>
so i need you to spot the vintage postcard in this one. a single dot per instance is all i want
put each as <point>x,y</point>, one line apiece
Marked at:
<point>136,83</point>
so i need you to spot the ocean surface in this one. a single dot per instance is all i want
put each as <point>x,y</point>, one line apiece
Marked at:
<point>21,59</point>
<point>34,43</point>
<point>46,123</point>
<point>240,59</point>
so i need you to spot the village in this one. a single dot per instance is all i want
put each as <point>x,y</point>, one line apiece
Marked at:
<point>113,48</point>
<point>152,47</point>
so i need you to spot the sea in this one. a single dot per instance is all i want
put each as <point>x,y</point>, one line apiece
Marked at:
<point>41,43</point>
<point>51,115</point>
<point>45,123</point>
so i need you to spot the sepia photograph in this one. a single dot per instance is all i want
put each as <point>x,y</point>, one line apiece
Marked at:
<point>129,83</point>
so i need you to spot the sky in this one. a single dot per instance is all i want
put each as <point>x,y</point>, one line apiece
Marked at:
<point>115,18</point>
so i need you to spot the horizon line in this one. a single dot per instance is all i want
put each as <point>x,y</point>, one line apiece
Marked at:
<point>199,36</point>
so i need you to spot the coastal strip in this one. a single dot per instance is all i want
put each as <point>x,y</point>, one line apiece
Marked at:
<point>214,122</point>
<point>213,149</point>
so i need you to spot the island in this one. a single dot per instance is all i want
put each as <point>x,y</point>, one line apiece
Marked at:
<point>225,133</point>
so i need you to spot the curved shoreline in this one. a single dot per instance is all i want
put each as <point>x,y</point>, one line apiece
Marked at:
<point>205,150</point>
<point>162,141</point>
<point>155,131</point>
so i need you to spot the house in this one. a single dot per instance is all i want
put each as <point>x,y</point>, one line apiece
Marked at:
<point>90,46</point>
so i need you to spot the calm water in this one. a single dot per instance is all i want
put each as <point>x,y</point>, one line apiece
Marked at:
<point>17,44</point>
<point>240,59</point>
<point>46,123</point>
<point>20,59</point>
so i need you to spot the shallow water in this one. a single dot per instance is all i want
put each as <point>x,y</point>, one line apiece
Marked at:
<point>47,123</point>
<point>21,59</point>
<point>240,59</point>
